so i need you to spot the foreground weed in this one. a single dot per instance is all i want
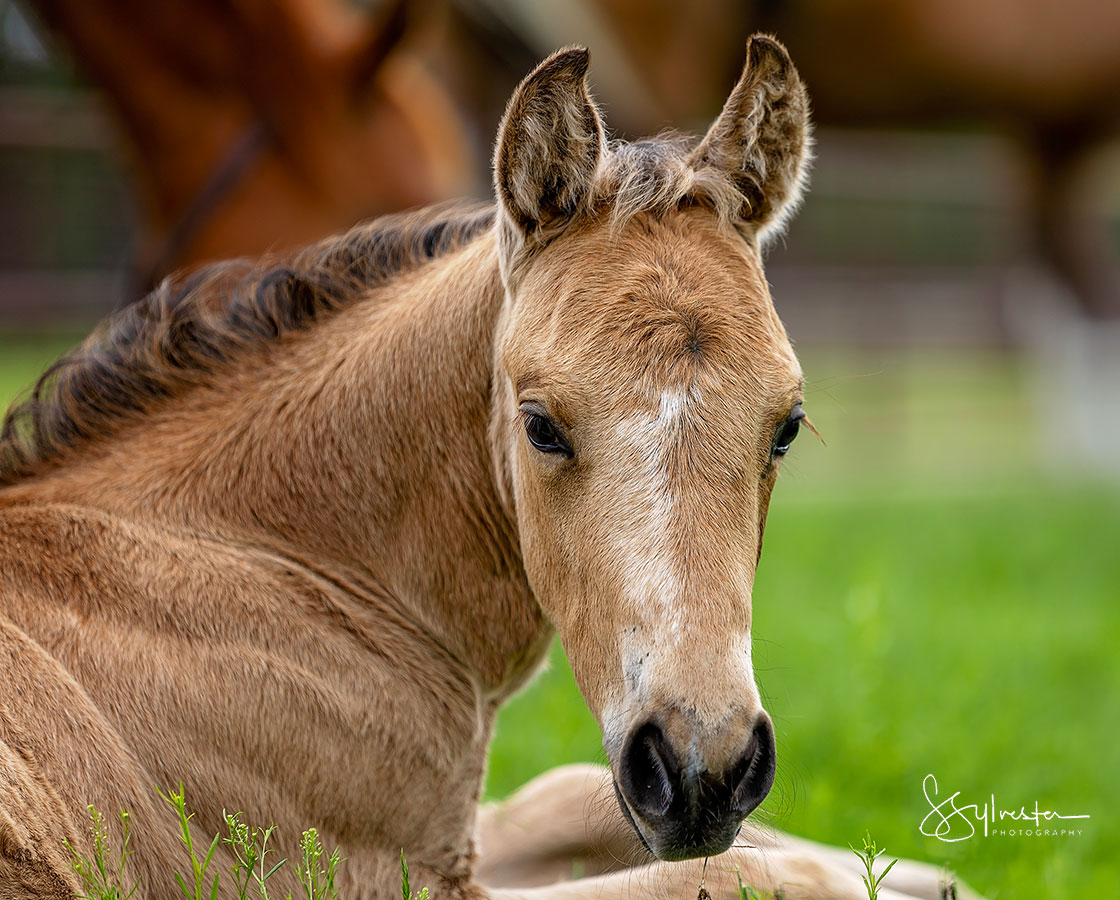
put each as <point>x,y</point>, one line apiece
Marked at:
<point>746,892</point>
<point>318,882</point>
<point>406,888</point>
<point>102,880</point>
<point>867,856</point>
<point>199,867</point>
<point>947,885</point>
<point>251,865</point>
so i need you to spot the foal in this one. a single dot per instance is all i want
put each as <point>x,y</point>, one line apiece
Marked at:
<point>291,536</point>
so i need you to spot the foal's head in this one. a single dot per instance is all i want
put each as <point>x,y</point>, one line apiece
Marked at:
<point>646,393</point>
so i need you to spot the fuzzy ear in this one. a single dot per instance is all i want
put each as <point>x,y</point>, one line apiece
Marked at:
<point>549,144</point>
<point>762,138</point>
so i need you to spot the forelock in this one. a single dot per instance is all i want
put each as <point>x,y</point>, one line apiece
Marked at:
<point>655,176</point>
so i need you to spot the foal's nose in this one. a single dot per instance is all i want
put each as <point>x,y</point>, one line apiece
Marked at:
<point>684,809</point>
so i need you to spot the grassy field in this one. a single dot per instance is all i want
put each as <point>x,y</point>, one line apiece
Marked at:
<point>929,602</point>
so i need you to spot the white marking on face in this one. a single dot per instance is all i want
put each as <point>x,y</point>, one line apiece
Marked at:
<point>743,664</point>
<point>646,551</point>
<point>672,405</point>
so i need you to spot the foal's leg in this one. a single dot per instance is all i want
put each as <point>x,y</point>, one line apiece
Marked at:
<point>916,879</point>
<point>566,824</point>
<point>771,872</point>
<point>33,863</point>
<point>563,824</point>
<point>58,753</point>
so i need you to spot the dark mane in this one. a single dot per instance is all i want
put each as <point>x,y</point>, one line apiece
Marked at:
<point>190,326</point>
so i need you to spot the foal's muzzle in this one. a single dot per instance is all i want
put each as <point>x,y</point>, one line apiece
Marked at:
<point>681,811</point>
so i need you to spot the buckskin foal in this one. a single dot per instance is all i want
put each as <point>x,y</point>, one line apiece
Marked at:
<point>292,534</point>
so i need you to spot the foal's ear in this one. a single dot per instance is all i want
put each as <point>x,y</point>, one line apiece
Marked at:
<point>761,140</point>
<point>549,144</point>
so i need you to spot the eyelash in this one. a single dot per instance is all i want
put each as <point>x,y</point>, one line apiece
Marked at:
<point>787,432</point>
<point>545,435</point>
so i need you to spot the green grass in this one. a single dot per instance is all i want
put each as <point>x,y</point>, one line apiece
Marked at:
<point>928,602</point>
<point>102,875</point>
<point>23,357</point>
<point>868,855</point>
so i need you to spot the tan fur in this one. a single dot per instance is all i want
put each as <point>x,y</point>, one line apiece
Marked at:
<point>304,568</point>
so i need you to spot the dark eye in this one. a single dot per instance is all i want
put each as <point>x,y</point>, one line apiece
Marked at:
<point>787,431</point>
<point>545,435</point>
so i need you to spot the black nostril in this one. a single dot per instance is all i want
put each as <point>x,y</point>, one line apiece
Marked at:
<point>753,776</point>
<point>650,773</point>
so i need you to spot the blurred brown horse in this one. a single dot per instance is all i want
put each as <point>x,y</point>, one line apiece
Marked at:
<point>264,124</point>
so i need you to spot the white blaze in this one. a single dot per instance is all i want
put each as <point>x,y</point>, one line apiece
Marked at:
<point>651,566</point>
<point>645,550</point>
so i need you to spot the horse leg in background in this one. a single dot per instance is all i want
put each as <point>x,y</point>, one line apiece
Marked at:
<point>566,824</point>
<point>1070,322</point>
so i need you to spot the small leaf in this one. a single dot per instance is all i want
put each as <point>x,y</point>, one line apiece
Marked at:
<point>210,853</point>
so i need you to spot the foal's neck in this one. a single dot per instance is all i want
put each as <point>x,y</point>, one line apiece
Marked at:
<point>361,444</point>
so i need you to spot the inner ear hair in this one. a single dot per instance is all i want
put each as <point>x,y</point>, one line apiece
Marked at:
<point>761,140</point>
<point>549,145</point>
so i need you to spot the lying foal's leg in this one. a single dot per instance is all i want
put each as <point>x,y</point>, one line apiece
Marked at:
<point>563,824</point>
<point>778,873</point>
<point>916,879</point>
<point>566,824</point>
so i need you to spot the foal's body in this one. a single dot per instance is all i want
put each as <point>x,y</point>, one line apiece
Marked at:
<point>193,595</point>
<point>303,585</point>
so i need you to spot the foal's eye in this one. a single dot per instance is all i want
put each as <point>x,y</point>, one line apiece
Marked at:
<point>787,431</point>
<point>545,435</point>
